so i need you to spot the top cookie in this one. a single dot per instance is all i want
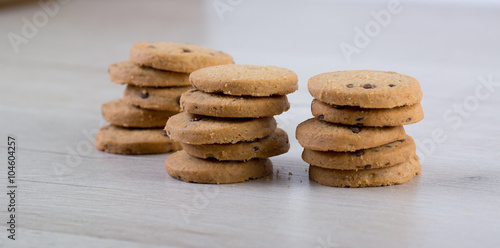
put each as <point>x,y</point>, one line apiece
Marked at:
<point>177,57</point>
<point>239,80</point>
<point>366,89</point>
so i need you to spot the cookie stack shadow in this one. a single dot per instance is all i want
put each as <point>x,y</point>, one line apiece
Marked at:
<point>227,129</point>
<point>156,76</point>
<point>357,137</point>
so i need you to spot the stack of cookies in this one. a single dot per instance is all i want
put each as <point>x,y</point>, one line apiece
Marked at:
<point>156,76</point>
<point>357,137</point>
<point>227,130</point>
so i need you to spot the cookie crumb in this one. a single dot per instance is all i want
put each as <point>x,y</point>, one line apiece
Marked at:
<point>289,173</point>
<point>301,181</point>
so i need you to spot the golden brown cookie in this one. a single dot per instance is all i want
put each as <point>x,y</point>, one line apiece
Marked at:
<point>196,129</point>
<point>155,98</point>
<point>128,72</point>
<point>348,115</point>
<point>365,89</point>
<point>250,80</point>
<point>269,146</point>
<point>183,166</point>
<point>396,174</point>
<point>378,157</point>
<point>177,57</point>
<point>119,140</point>
<point>218,105</point>
<point>324,136</point>
<point>120,113</point>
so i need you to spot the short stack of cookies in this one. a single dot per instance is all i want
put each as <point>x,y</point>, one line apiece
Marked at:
<point>156,76</point>
<point>357,137</point>
<point>227,129</point>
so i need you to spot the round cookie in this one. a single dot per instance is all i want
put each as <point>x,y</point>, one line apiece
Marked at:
<point>120,113</point>
<point>196,129</point>
<point>269,146</point>
<point>378,157</point>
<point>177,57</point>
<point>155,98</point>
<point>119,140</point>
<point>324,136</point>
<point>396,174</point>
<point>183,166</point>
<point>239,80</point>
<point>348,115</point>
<point>218,105</point>
<point>365,89</point>
<point>128,72</point>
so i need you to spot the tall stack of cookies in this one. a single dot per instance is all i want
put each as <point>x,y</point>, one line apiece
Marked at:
<point>156,76</point>
<point>357,137</point>
<point>227,129</point>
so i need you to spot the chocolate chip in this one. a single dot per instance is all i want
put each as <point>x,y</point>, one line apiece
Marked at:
<point>369,86</point>
<point>168,133</point>
<point>186,50</point>
<point>193,90</point>
<point>256,148</point>
<point>359,153</point>
<point>376,150</point>
<point>213,54</point>
<point>360,118</point>
<point>388,146</point>
<point>195,119</point>
<point>368,166</point>
<point>153,47</point>
<point>408,120</point>
<point>401,140</point>
<point>392,85</point>
<point>144,94</point>
<point>355,129</point>
<point>350,85</point>
<point>388,163</point>
<point>321,117</point>
<point>178,100</point>
<point>164,132</point>
<point>339,107</point>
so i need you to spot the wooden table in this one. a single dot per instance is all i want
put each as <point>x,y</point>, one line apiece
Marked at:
<point>70,195</point>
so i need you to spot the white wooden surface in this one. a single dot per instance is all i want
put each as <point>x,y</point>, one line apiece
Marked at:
<point>71,195</point>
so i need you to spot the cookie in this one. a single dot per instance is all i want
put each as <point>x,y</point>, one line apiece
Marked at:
<point>396,174</point>
<point>365,89</point>
<point>183,166</point>
<point>197,130</point>
<point>367,117</point>
<point>155,98</point>
<point>239,80</point>
<point>119,140</point>
<point>128,72</point>
<point>378,157</point>
<point>269,146</point>
<point>177,57</point>
<point>218,105</point>
<point>324,136</point>
<point>120,113</point>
